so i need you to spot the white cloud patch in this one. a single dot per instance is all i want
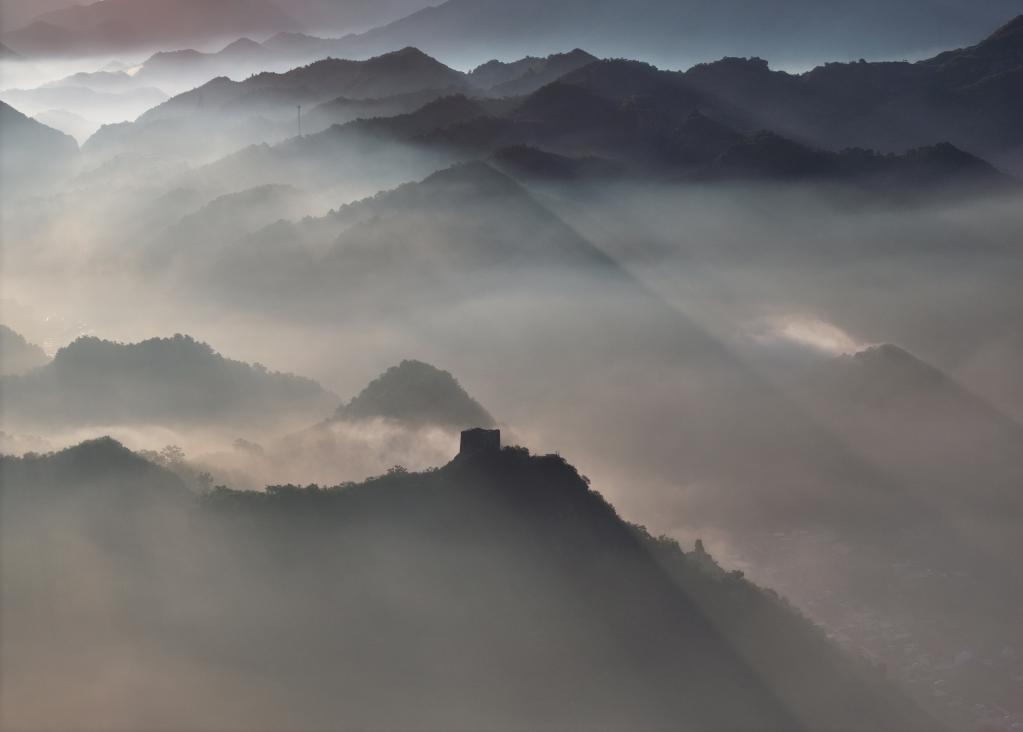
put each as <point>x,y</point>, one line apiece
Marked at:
<point>807,331</point>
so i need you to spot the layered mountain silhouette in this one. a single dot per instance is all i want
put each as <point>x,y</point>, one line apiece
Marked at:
<point>385,150</point>
<point>399,72</point>
<point>410,415</point>
<point>18,355</point>
<point>471,242</point>
<point>437,600</point>
<point>643,121</point>
<point>417,394</point>
<point>732,118</point>
<point>528,74</point>
<point>343,110</point>
<point>263,108</point>
<point>78,127</point>
<point>101,101</point>
<point>105,80</point>
<point>963,97</point>
<point>224,220</point>
<point>189,68</point>
<point>797,33</point>
<point>230,114</point>
<point>173,381</point>
<point>470,224</point>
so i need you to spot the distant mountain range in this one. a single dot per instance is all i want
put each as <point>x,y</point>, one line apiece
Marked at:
<point>262,108</point>
<point>184,69</point>
<point>171,382</point>
<point>567,131</point>
<point>229,114</point>
<point>677,33</point>
<point>506,567</point>
<point>731,119</point>
<point>471,223</point>
<point>469,32</point>
<point>126,104</point>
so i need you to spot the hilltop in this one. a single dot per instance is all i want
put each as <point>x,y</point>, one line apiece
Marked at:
<point>165,381</point>
<point>416,393</point>
<point>452,595</point>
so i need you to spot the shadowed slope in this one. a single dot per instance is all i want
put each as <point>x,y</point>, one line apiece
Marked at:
<point>498,592</point>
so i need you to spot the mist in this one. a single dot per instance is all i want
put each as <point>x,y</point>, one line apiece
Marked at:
<point>249,305</point>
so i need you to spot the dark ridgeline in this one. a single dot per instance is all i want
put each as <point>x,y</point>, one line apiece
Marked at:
<point>889,127</point>
<point>496,592</point>
<point>799,32</point>
<point>899,131</point>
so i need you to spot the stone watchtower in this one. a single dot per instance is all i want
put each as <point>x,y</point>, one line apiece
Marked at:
<point>480,441</point>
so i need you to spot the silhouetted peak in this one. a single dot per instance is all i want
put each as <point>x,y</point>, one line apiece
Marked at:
<point>409,57</point>
<point>243,46</point>
<point>417,394</point>
<point>105,448</point>
<point>218,83</point>
<point>407,52</point>
<point>576,54</point>
<point>734,68</point>
<point>100,456</point>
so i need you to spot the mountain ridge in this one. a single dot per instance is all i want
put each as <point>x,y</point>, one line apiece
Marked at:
<point>164,381</point>
<point>632,628</point>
